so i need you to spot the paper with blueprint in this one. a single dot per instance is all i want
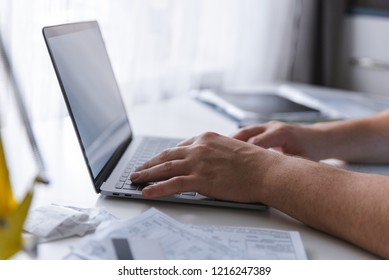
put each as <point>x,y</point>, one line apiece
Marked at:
<point>174,240</point>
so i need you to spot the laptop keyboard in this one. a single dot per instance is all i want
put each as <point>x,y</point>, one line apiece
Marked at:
<point>146,150</point>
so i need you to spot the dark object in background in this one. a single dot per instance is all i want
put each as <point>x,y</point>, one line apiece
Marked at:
<point>250,108</point>
<point>369,7</point>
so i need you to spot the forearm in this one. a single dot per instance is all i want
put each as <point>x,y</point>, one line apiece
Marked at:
<point>362,140</point>
<point>352,206</point>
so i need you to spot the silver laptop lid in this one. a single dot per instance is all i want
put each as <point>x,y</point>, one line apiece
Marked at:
<point>91,94</point>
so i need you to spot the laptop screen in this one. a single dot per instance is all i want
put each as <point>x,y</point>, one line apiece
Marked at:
<point>90,90</point>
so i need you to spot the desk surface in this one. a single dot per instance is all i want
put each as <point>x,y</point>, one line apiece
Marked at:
<point>71,185</point>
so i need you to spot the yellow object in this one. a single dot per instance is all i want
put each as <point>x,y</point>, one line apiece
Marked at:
<point>7,201</point>
<point>11,229</point>
<point>12,214</point>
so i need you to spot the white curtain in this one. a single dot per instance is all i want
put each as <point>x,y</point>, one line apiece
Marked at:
<point>159,48</point>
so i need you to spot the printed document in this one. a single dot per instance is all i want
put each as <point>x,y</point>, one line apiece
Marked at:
<point>175,240</point>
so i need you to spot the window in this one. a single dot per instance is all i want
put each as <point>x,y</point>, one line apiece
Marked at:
<point>159,48</point>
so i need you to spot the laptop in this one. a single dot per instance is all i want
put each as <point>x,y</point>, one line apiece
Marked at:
<point>92,96</point>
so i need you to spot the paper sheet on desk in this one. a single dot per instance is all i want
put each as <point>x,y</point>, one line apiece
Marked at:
<point>182,241</point>
<point>257,243</point>
<point>176,240</point>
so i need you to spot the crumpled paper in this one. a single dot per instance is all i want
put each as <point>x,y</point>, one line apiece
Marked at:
<point>53,222</point>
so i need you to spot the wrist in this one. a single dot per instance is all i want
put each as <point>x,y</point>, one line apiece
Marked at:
<point>286,181</point>
<point>328,140</point>
<point>271,173</point>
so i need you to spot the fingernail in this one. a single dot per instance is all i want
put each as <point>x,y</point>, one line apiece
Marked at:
<point>134,176</point>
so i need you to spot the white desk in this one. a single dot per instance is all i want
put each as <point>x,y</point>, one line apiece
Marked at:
<point>71,185</point>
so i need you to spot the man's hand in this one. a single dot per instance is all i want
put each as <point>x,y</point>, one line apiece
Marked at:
<point>307,141</point>
<point>210,164</point>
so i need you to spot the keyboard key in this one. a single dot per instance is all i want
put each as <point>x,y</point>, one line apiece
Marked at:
<point>123,179</point>
<point>129,187</point>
